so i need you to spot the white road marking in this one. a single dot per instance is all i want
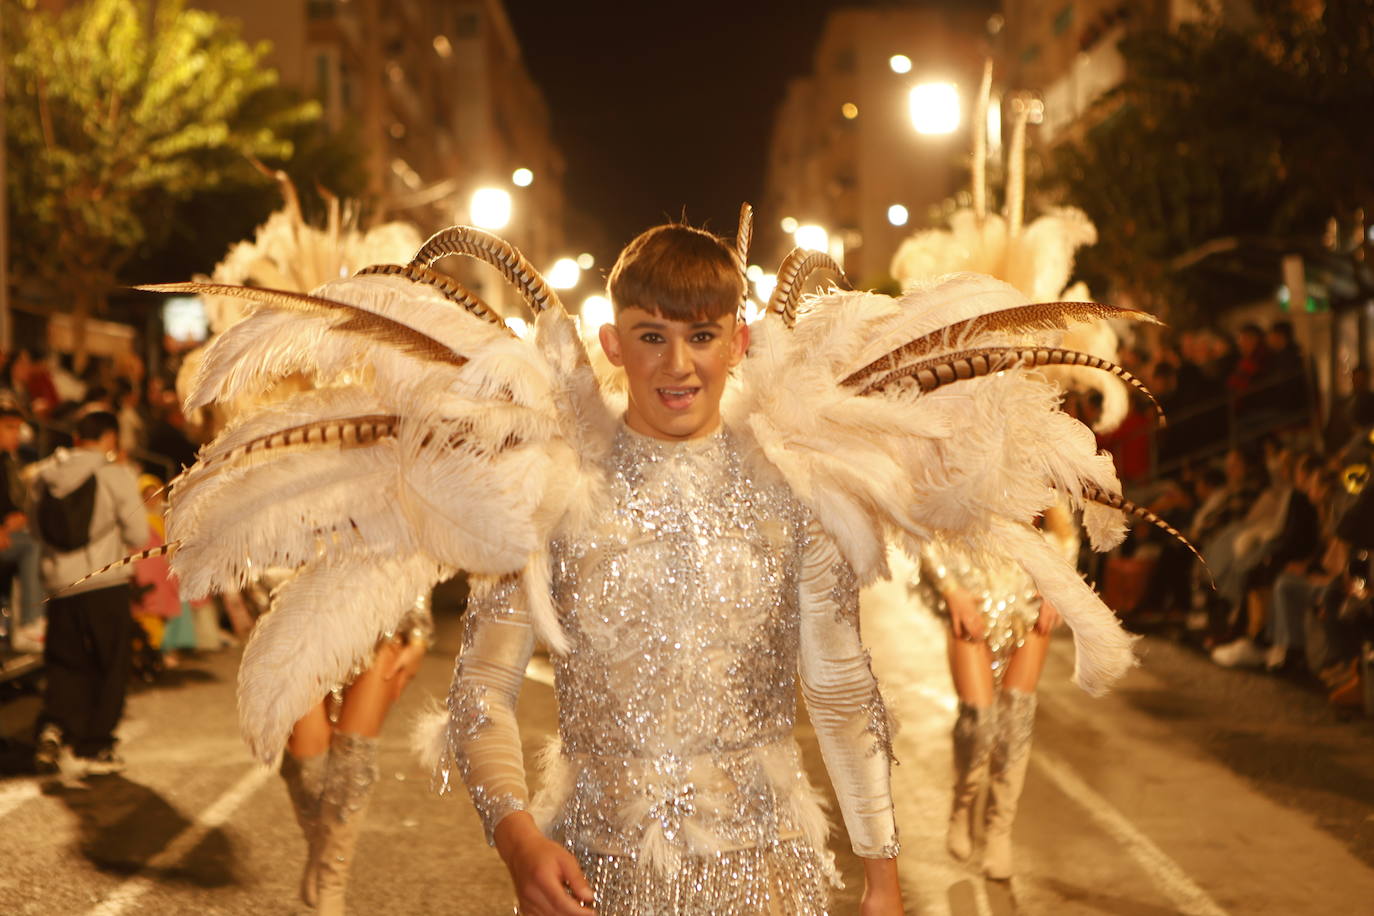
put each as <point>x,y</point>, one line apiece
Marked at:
<point>1181,890</point>
<point>131,890</point>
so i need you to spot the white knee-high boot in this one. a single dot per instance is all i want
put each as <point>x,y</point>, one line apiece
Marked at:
<point>975,730</point>
<point>304,778</point>
<point>348,783</point>
<point>1010,757</point>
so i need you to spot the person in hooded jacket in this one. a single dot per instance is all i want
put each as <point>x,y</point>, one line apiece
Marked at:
<point>89,514</point>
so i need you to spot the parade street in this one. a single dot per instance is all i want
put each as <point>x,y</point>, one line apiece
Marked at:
<point>1189,789</point>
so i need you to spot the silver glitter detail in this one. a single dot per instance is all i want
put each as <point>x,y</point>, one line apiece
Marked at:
<point>975,732</point>
<point>677,781</point>
<point>1015,727</point>
<point>879,726</point>
<point>787,879</point>
<point>350,773</point>
<point>1005,595</point>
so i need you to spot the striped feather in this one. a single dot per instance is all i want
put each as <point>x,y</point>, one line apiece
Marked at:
<point>1122,504</point>
<point>453,291</point>
<point>744,236</point>
<point>348,318</point>
<point>795,271</point>
<point>162,550</point>
<point>967,364</point>
<point>349,432</point>
<point>1034,317</point>
<point>493,250</point>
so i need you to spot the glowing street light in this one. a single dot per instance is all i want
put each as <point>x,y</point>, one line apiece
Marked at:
<point>753,272</point>
<point>490,208</point>
<point>813,237</point>
<point>935,108</point>
<point>849,110</point>
<point>764,286</point>
<point>596,311</point>
<point>522,178</point>
<point>586,261</point>
<point>789,225</point>
<point>899,63</point>
<point>564,274</point>
<point>897,215</point>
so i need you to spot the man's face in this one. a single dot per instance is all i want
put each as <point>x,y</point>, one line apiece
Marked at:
<point>676,369</point>
<point>11,430</point>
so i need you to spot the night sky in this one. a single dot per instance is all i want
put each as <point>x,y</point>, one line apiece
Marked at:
<point>665,110</point>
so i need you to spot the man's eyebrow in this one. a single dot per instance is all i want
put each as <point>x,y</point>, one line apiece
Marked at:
<point>655,325</point>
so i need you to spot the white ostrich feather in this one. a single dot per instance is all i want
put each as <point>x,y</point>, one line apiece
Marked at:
<point>325,621</point>
<point>332,503</point>
<point>276,342</point>
<point>1103,650</point>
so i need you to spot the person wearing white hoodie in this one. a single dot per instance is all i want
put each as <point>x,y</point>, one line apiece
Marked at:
<point>89,514</point>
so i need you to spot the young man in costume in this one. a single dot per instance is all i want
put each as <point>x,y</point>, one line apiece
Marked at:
<point>692,602</point>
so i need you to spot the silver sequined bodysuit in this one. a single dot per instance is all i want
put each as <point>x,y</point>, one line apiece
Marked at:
<point>1006,597</point>
<point>696,603</point>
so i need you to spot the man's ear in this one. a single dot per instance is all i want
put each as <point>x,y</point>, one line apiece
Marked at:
<point>739,345</point>
<point>609,336</point>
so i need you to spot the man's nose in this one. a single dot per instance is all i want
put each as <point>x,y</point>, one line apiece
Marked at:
<point>679,359</point>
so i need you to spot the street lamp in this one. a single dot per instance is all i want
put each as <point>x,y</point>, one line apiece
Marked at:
<point>564,274</point>
<point>596,311</point>
<point>934,108</point>
<point>899,63</point>
<point>897,215</point>
<point>813,237</point>
<point>490,208</point>
<point>522,178</point>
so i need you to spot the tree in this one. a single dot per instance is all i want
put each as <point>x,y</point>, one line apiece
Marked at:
<point>1223,149</point>
<point>111,123</point>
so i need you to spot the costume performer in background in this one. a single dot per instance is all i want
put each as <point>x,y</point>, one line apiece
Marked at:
<point>998,623</point>
<point>433,438</point>
<point>330,761</point>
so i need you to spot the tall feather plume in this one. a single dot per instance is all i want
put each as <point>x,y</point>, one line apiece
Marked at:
<point>744,235</point>
<point>493,250</point>
<point>795,271</point>
<point>1036,316</point>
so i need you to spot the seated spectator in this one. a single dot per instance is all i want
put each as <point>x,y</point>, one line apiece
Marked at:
<point>1291,548</point>
<point>1353,413</point>
<point>1252,365</point>
<point>1285,380</point>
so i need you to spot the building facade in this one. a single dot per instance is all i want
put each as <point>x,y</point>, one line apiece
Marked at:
<point>443,103</point>
<point>844,151</point>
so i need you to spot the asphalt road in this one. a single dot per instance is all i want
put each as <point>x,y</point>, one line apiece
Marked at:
<point>1187,790</point>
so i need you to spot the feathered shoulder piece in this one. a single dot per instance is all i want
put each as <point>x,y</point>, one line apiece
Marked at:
<point>427,438</point>
<point>926,416</point>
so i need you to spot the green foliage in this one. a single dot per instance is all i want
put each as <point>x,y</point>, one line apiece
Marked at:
<point>1257,135</point>
<point>111,123</point>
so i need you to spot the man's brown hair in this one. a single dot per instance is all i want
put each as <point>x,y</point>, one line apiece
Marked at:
<point>679,273</point>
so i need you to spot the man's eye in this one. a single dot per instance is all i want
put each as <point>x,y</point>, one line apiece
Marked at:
<point>703,337</point>
<point>651,338</point>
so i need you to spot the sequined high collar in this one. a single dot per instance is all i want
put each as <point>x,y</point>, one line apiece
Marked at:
<point>639,446</point>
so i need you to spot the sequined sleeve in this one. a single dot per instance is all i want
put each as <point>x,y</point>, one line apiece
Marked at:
<point>483,734</point>
<point>842,697</point>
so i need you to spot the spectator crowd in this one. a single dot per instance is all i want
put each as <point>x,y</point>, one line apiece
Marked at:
<point>1270,492</point>
<point>85,458</point>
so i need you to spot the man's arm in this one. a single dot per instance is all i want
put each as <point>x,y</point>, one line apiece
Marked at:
<point>848,714</point>
<point>130,515</point>
<point>484,747</point>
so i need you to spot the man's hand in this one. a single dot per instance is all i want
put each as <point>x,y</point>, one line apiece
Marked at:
<point>882,893</point>
<point>548,881</point>
<point>964,618</point>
